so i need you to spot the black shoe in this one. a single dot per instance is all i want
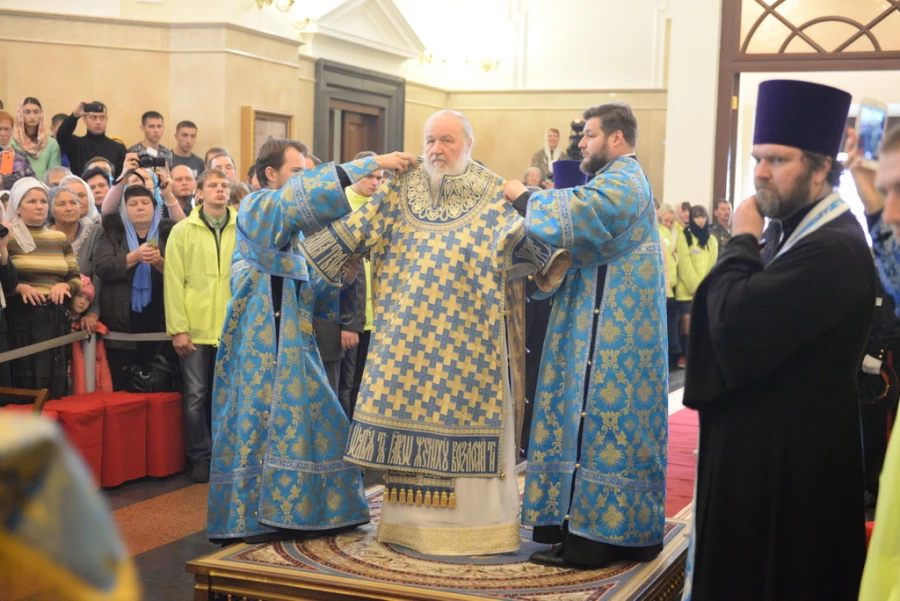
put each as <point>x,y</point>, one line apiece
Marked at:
<point>200,472</point>
<point>550,557</point>
<point>612,554</point>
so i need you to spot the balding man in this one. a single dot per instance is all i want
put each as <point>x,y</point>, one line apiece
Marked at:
<point>183,186</point>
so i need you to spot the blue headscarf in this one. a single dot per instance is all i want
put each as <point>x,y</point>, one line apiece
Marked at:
<point>142,287</point>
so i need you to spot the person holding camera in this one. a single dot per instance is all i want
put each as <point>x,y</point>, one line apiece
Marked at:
<point>80,149</point>
<point>150,172</point>
<point>153,126</point>
<point>129,257</point>
<point>880,192</point>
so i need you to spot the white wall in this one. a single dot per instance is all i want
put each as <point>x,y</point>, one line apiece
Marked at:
<point>691,122</point>
<point>567,44</point>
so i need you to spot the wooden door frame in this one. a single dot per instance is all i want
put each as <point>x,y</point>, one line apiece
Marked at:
<point>733,61</point>
<point>336,81</point>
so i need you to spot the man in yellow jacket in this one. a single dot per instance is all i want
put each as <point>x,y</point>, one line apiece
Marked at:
<point>197,292</point>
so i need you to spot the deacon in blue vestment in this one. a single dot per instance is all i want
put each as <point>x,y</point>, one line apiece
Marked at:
<point>278,429</point>
<point>597,458</point>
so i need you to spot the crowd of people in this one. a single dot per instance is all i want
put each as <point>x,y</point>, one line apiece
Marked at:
<point>401,268</point>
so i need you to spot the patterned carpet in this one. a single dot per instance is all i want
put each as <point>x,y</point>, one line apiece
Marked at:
<point>361,568</point>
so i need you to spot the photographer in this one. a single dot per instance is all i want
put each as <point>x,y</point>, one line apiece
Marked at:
<point>881,573</point>
<point>80,149</point>
<point>152,126</point>
<point>152,174</point>
<point>129,257</point>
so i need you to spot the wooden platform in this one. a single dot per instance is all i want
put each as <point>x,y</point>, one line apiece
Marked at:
<point>354,567</point>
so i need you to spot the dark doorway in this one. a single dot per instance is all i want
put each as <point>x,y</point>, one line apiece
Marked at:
<point>354,128</point>
<point>356,110</point>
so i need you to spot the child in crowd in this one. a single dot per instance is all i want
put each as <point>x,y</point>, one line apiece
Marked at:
<point>78,306</point>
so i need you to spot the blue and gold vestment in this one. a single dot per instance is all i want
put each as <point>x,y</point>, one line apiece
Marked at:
<point>431,400</point>
<point>278,429</point>
<point>610,483</point>
<point>57,538</point>
<point>433,407</point>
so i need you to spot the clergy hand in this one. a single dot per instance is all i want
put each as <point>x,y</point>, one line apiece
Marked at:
<point>349,340</point>
<point>514,189</point>
<point>396,161</point>
<point>184,347</point>
<point>747,218</point>
<point>863,177</point>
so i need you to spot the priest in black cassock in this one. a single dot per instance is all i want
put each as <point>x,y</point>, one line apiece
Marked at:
<point>773,354</point>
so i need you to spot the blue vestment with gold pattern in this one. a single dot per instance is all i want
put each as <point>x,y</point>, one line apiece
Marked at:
<point>278,429</point>
<point>57,537</point>
<point>432,397</point>
<point>604,372</point>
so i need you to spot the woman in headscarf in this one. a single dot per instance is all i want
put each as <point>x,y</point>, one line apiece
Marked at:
<point>129,258</point>
<point>47,272</point>
<point>158,181</point>
<point>20,167</point>
<point>32,138</point>
<point>89,212</point>
<point>697,253</point>
<point>85,240</point>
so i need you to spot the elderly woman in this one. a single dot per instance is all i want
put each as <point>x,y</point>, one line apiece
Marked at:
<point>532,177</point>
<point>21,167</point>
<point>86,217</point>
<point>32,138</point>
<point>128,256</point>
<point>85,240</point>
<point>47,272</point>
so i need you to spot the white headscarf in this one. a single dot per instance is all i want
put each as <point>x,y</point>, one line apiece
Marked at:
<point>93,215</point>
<point>19,229</point>
<point>552,155</point>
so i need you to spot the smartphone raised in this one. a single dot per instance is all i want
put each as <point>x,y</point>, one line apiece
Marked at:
<point>870,126</point>
<point>6,162</point>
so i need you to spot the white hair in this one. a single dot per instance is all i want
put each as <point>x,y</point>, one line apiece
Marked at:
<point>467,127</point>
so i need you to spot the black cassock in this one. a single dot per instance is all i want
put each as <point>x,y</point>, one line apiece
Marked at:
<point>772,369</point>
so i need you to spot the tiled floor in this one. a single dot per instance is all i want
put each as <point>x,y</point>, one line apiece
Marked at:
<point>162,521</point>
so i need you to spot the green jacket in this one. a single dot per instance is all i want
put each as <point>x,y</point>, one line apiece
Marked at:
<point>49,157</point>
<point>671,264</point>
<point>694,263</point>
<point>197,286</point>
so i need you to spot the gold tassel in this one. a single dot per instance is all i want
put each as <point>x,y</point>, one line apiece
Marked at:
<point>444,498</point>
<point>402,498</point>
<point>419,497</point>
<point>393,495</point>
<point>451,502</point>
<point>427,498</point>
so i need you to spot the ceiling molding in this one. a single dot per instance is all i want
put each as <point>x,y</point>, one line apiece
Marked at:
<point>374,24</point>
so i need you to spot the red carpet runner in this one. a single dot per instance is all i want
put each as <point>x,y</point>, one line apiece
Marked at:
<point>683,431</point>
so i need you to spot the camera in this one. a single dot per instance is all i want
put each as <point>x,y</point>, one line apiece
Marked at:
<point>93,107</point>
<point>151,162</point>
<point>4,231</point>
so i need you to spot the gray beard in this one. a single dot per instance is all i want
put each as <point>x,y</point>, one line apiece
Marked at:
<point>436,178</point>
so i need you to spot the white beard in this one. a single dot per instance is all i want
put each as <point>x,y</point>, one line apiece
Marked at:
<point>436,175</point>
